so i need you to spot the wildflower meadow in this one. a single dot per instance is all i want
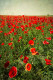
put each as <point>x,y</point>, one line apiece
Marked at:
<point>26,47</point>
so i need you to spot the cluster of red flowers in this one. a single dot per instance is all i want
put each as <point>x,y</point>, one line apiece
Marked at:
<point>21,56</point>
<point>13,72</point>
<point>45,42</point>
<point>49,38</point>
<point>34,52</point>
<point>2,44</point>
<point>51,32</point>
<point>1,31</point>
<point>48,62</point>
<point>31,42</point>
<point>0,55</point>
<point>10,44</point>
<point>6,64</point>
<point>19,38</point>
<point>26,59</point>
<point>13,29</point>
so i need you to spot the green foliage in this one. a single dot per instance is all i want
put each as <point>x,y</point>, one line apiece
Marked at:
<point>39,71</point>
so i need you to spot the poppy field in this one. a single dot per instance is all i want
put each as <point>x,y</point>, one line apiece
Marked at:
<point>26,47</point>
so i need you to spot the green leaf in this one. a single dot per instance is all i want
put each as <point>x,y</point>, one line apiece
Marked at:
<point>41,49</point>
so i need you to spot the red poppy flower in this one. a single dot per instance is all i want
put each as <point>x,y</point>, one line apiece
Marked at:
<point>52,25</point>
<point>2,44</point>
<point>13,25</point>
<point>35,53</point>
<point>32,50</point>
<point>30,25</point>
<point>48,62</point>
<point>42,33</point>
<point>10,44</point>
<point>0,55</point>
<point>51,32</point>
<point>13,72</point>
<point>26,35</point>
<point>9,26</point>
<point>23,29</point>
<point>31,42</point>
<point>5,34</point>
<point>1,31</point>
<point>11,39</point>
<point>34,38</point>
<point>6,64</point>
<point>18,40</point>
<point>22,26</point>
<point>10,32</point>
<point>27,29</point>
<point>50,29</point>
<point>26,25</point>
<point>12,29</point>
<point>25,59</point>
<point>2,26</point>
<point>11,47</point>
<point>42,26</point>
<point>30,28</point>
<point>15,33</point>
<point>49,38</point>
<point>28,67</point>
<point>45,42</point>
<point>38,28</point>
<point>17,27</point>
<point>25,32</point>
<point>21,56</point>
<point>37,43</point>
<point>20,37</point>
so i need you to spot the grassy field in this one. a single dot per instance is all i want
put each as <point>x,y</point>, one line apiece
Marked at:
<point>26,47</point>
